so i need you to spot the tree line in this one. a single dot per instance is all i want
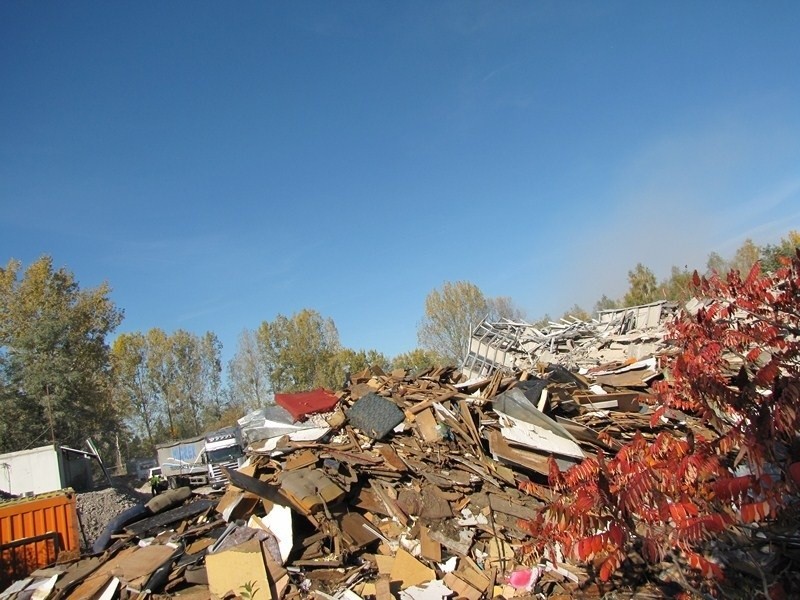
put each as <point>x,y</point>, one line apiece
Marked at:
<point>644,287</point>
<point>62,379</point>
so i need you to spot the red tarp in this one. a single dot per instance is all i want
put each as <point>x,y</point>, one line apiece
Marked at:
<point>306,403</point>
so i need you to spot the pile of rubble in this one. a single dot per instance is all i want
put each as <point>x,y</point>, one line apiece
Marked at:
<point>398,486</point>
<point>98,507</point>
<point>408,487</point>
<point>615,336</point>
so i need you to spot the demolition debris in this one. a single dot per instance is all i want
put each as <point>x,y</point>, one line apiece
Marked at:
<point>399,486</point>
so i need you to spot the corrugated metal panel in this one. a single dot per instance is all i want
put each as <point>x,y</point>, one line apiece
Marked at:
<point>37,531</point>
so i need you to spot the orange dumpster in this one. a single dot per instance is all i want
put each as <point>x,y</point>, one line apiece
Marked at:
<point>35,532</point>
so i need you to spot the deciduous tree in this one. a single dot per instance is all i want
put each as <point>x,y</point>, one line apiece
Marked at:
<point>417,360</point>
<point>450,315</point>
<point>132,386</point>
<point>743,260</point>
<point>643,286</point>
<point>772,255</point>
<point>746,256</point>
<point>577,312</point>
<point>248,378</point>
<point>54,360</point>
<point>503,307</point>
<point>605,303</point>
<point>736,366</point>
<point>169,382</point>
<point>211,372</point>
<point>296,350</point>
<point>543,322</point>
<point>716,264</point>
<point>346,361</point>
<point>196,366</point>
<point>679,286</point>
<point>161,374</point>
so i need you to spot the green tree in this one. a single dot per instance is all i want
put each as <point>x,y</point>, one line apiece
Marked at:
<point>450,316</point>
<point>643,287</point>
<point>345,361</point>
<point>746,256</point>
<point>211,373</point>
<point>772,254</point>
<point>716,264</point>
<point>170,383</point>
<point>543,322</point>
<point>195,383</point>
<point>503,307</point>
<point>55,381</point>
<point>417,360</point>
<point>161,374</point>
<point>577,312</point>
<point>743,260</point>
<point>187,380</point>
<point>248,379</point>
<point>605,303</point>
<point>679,286</point>
<point>132,386</point>
<point>296,350</point>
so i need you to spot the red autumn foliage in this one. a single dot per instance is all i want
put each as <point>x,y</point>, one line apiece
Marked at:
<point>737,367</point>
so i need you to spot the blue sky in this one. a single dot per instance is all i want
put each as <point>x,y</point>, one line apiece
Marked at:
<point>219,164</point>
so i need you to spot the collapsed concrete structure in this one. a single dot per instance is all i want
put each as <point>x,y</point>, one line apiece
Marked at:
<point>614,336</point>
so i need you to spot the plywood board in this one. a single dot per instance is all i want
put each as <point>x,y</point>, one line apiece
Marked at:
<point>230,569</point>
<point>408,571</point>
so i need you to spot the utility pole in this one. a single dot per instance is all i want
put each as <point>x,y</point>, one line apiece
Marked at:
<point>119,455</point>
<point>50,413</point>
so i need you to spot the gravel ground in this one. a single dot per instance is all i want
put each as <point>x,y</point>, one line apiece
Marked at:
<point>97,508</point>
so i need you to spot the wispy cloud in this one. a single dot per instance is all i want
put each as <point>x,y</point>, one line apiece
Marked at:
<point>684,195</point>
<point>769,215</point>
<point>160,253</point>
<point>205,310</point>
<point>781,194</point>
<point>495,72</point>
<point>768,232</point>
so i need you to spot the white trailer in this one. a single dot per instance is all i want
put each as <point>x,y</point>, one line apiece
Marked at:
<point>45,469</point>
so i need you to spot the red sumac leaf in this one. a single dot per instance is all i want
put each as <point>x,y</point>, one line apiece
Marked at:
<point>655,418</point>
<point>708,569</point>
<point>682,511</point>
<point>766,374</point>
<point>753,274</point>
<point>753,355</point>
<point>733,488</point>
<point>652,551</point>
<point>616,535</point>
<point>584,548</point>
<point>610,565</point>
<point>753,512</point>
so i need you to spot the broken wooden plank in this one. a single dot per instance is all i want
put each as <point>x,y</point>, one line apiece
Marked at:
<point>428,426</point>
